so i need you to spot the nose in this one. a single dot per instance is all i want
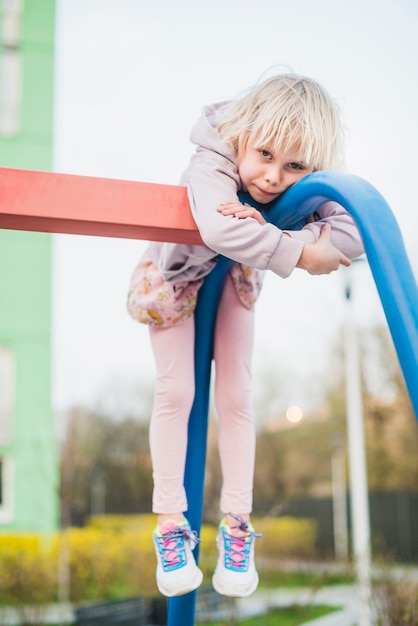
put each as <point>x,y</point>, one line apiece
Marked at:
<point>273,175</point>
<point>279,178</point>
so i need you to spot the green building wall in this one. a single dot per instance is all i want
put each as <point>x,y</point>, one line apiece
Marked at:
<point>28,447</point>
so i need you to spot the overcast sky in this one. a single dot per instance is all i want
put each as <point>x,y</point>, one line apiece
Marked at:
<point>131,79</point>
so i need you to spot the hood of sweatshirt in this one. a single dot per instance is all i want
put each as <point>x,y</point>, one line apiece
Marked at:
<point>205,132</point>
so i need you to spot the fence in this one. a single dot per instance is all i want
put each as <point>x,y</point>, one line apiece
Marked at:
<point>393,521</point>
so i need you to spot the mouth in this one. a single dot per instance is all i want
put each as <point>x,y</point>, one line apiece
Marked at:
<point>267,194</point>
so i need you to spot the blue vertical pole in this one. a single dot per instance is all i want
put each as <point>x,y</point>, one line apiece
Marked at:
<point>181,609</point>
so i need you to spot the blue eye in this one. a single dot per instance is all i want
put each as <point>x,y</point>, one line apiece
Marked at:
<point>266,154</point>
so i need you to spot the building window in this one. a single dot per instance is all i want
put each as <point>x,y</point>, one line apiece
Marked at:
<point>7,393</point>
<point>6,490</point>
<point>10,66</point>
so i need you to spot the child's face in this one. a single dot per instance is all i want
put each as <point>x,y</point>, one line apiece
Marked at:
<point>267,174</point>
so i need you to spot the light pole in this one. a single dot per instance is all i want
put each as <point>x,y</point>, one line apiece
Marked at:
<point>357,460</point>
<point>339,498</point>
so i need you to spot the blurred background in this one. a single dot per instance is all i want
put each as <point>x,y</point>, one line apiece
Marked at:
<point>130,81</point>
<point>112,89</point>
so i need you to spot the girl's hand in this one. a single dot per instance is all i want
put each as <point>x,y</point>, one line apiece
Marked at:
<point>322,257</point>
<point>237,209</point>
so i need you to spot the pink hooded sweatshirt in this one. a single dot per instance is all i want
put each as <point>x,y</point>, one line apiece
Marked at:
<point>212,178</point>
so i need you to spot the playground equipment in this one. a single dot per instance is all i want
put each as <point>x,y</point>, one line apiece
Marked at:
<point>85,205</point>
<point>399,295</point>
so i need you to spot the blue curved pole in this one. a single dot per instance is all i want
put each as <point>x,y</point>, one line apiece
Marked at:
<point>385,250</point>
<point>395,282</point>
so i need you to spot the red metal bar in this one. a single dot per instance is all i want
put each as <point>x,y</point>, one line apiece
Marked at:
<point>86,205</point>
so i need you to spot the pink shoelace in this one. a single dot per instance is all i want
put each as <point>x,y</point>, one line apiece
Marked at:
<point>238,544</point>
<point>172,544</point>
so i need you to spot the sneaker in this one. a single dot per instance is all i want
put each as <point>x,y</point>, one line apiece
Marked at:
<point>235,574</point>
<point>177,572</point>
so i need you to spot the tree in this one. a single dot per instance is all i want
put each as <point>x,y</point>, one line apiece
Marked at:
<point>291,459</point>
<point>391,429</point>
<point>112,453</point>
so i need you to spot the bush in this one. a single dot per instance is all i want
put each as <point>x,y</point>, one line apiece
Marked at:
<point>132,534</point>
<point>208,552</point>
<point>27,570</point>
<point>397,603</point>
<point>286,537</point>
<point>27,576</point>
<point>96,561</point>
<point>114,557</point>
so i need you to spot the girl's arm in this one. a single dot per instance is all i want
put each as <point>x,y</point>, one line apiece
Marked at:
<point>344,233</point>
<point>212,179</point>
<point>320,257</point>
<point>237,209</point>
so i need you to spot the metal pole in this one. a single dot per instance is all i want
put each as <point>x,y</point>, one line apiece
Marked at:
<point>339,498</point>
<point>357,458</point>
<point>181,609</point>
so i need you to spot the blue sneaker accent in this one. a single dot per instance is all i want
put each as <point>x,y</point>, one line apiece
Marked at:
<point>235,573</point>
<point>177,572</point>
<point>237,551</point>
<point>170,542</point>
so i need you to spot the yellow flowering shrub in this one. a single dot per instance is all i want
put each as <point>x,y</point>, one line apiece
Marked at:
<point>286,537</point>
<point>140,562</point>
<point>114,557</point>
<point>208,552</point>
<point>97,561</point>
<point>15,542</point>
<point>27,570</point>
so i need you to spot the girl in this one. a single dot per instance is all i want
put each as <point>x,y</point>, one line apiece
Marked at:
<point>283,129</point>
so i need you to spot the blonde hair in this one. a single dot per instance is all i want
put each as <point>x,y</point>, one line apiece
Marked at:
<point>283,112</point>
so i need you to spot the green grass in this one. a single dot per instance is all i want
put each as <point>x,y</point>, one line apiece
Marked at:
<point>273,578</point>
<point>289,616</point>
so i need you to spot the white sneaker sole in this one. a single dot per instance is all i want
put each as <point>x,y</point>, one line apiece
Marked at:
<point>183,586</point>
<point>234,590</point>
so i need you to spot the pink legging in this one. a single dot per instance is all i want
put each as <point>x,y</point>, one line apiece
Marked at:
<point>174,393</point>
